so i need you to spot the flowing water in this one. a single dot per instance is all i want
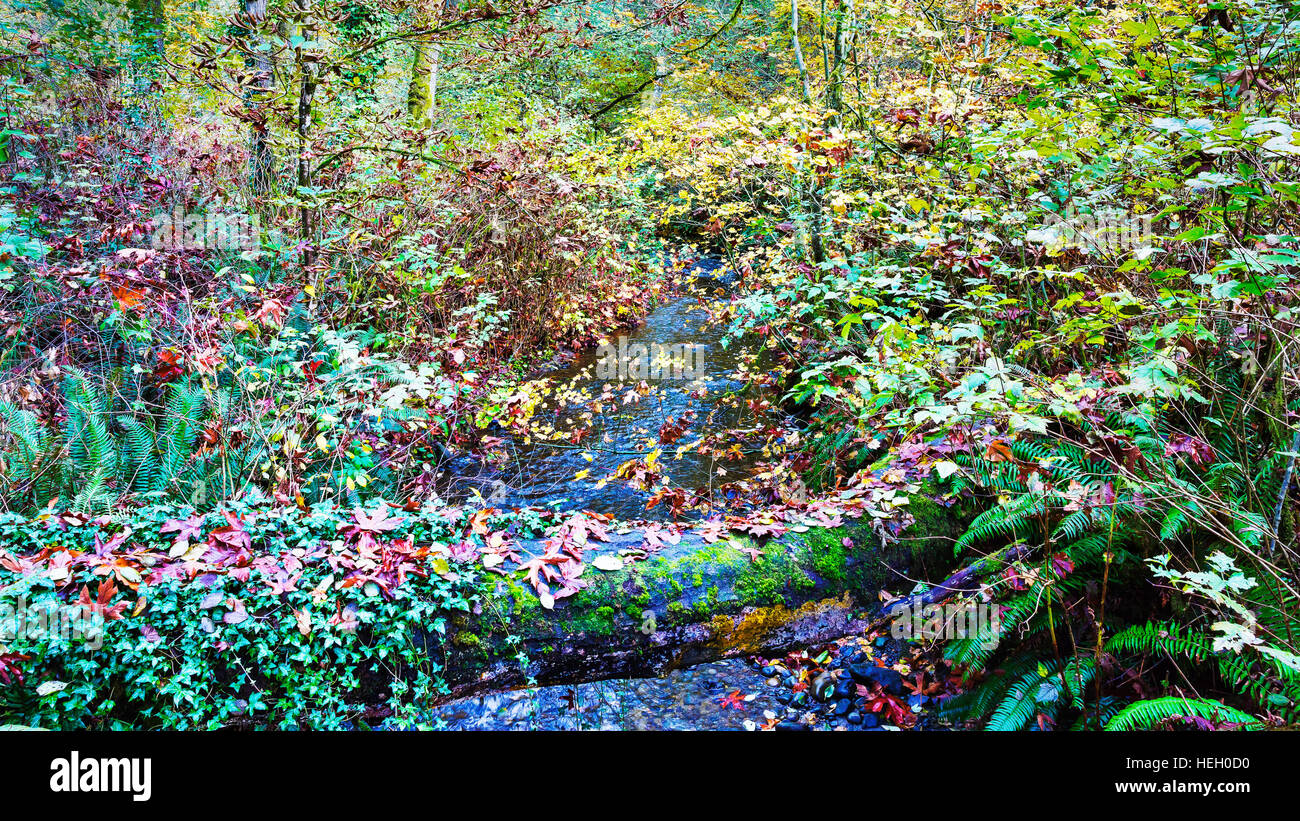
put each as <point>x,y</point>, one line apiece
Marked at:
<point>604,420</point>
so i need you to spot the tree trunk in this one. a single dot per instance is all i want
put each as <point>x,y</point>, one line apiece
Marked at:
<point>306,96</point>
<point>661,72</point>
<point>422,92</point>
<point>261,158</point>
<point>148,27</point>
<point>844,27</point>
<point>798,51</point>
<point>687,603</point>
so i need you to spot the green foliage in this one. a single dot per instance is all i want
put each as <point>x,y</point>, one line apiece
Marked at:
<point>99,455</point>
<point>238,651</point>
<point>1149,714</point>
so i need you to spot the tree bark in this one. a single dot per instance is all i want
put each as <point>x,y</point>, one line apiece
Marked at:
<point>306,96</point>
<point>686,604</point>
<point>261,159</point>
<point>844,27</point>
<point>798,51</point>
<point>426,66</point>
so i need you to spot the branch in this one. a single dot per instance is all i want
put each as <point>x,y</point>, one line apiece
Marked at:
<point>960,582</point>
<point>740,4</point>
<point>632,93</point>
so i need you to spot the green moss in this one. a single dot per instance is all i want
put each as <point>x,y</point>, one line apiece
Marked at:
<point>824,549</point>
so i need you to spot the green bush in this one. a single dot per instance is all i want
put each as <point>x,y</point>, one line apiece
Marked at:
<point>253,616</point>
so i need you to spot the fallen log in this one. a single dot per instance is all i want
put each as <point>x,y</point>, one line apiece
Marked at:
<point>686,604</point>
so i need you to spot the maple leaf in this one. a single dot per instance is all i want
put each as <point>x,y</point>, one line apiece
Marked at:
<point>891,709</point>
<point>759,528</point>
<point>99,605</point>
<point>711,531</point>
<point>185,530</point>
<point>345,619</point>
<point>998,451</point>
<point>283,584</point>
<point>169,367</point>
<point>303,620</point>
<point>377,522</point>
<point>128,296</point>
<point>271,313</point>
<point>232,534</point>
<point>1062,564</point>
<point>236,614</point>
<point>656,537</point>
<point>465,552</point>
<point>733,699</point>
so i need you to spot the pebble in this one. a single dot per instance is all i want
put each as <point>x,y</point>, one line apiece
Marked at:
<point>824,687</point>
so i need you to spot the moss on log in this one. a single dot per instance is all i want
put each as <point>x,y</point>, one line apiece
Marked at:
<point>688,603</point>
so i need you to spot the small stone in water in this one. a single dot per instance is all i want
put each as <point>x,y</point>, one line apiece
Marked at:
<point>854,717</point>
<point>843,706</point>
<point>823,687</point>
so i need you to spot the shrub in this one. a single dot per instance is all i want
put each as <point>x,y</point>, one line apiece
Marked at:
<point>253,616</point>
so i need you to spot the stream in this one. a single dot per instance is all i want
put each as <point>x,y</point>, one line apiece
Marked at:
<point>611,404</point>
<point>600,395</point>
